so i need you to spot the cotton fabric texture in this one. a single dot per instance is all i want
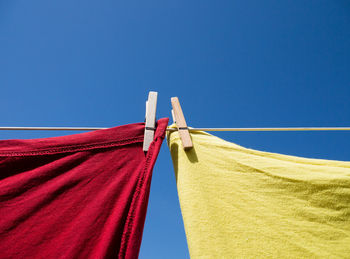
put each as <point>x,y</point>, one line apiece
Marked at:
<point>76,196</point>
<point>242,203</point>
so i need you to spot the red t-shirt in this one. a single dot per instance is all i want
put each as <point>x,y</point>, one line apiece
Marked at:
<point>77,196</point>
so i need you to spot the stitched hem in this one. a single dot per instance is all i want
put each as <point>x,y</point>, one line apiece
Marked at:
<point>131,214</point>
<point>72,148</point>
<point>147,169</point>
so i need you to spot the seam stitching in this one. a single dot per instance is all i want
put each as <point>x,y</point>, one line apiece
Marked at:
<point>130,217</point>
<point>72,148</point>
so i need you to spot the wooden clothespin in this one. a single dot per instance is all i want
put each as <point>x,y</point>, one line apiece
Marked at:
<point>150,124</point>
<point>181,125</point>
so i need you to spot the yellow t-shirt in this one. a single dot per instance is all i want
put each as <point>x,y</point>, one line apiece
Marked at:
<point>242,203</point>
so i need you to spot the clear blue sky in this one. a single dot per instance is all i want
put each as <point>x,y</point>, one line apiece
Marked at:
<point>231,63</point>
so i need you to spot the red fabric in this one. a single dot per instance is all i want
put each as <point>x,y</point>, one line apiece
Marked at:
<point>77,196</point>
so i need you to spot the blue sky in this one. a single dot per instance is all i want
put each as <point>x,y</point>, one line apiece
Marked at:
<point>231,63</point>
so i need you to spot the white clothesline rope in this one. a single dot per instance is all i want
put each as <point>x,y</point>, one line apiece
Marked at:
<point>268,129</point>
<point>191,129</point>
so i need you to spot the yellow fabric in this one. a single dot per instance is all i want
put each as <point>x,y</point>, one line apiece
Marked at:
<point>242,203</point>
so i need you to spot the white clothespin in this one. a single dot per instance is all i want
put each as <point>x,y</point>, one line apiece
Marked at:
<point>150,124</point>
<point>181,125</point>
<point>173,115</point>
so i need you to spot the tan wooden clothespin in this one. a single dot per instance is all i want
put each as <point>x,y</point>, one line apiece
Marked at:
<point>181,123</point>
<point>150,124</point>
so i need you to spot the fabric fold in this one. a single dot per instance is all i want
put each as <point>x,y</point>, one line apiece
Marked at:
<point>243,203</point>
<point>78,196</point>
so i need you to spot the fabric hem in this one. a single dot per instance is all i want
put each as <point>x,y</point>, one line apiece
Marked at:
<point>147,168</point>
<point>72,148</point>
<point>131,215</point>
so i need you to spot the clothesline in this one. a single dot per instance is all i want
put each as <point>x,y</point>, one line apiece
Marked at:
<point>191,129</point>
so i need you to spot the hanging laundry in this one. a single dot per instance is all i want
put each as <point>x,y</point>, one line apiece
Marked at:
<point>242,203</point>
<point>77,196</point>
